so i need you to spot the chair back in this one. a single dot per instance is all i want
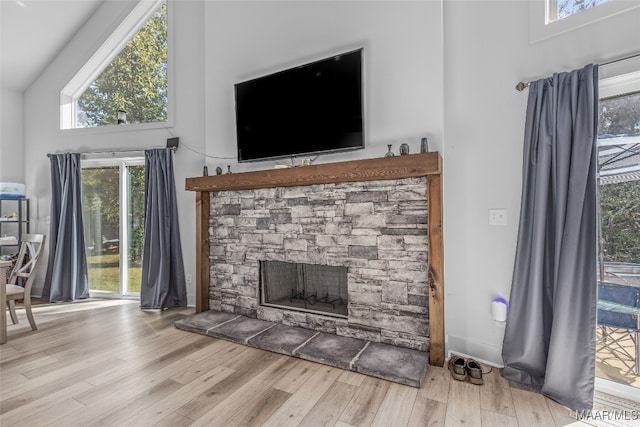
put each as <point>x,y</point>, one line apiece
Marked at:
<point>619,294</point>
<point>31,248</point>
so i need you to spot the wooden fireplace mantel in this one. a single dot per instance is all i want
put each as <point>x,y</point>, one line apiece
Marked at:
<point>356,170</point>
<point>383,168</point>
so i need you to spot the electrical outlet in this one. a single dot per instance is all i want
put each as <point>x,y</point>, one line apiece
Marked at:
<point>187,278</point>
<point>497,217</point>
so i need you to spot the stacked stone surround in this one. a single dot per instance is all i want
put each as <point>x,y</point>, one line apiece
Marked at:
<point>378,229</point>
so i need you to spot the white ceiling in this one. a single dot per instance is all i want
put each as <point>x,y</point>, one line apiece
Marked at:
<point>32,32</point>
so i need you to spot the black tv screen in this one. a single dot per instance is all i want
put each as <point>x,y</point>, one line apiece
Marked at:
<point>311,109</point>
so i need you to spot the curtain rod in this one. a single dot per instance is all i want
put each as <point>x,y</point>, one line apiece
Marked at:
<point>131,150</point>
<point>172,143</point>
<point>523,85</point>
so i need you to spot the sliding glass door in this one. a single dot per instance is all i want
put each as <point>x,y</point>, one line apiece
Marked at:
<point>113,214</point>
<point>618,326</point>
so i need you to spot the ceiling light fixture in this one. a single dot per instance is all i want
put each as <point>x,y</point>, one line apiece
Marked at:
<point>21,4</point>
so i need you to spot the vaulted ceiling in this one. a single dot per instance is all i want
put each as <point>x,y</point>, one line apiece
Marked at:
<point>33,32</point>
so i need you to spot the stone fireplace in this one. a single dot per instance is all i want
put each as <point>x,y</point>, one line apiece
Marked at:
<point>354,246</point>
<point>375,230</point>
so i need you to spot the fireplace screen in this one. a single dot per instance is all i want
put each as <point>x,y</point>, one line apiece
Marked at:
<point>304,287</point>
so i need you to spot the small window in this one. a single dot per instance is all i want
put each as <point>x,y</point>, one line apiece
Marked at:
<point>560,9</point>
<point>549,18</point>
<point>125,82</point>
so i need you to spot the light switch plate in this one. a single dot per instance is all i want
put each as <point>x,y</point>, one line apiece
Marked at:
<point>497,217</point>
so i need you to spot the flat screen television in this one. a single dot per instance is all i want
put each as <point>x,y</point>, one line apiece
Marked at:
<point>310,109</point>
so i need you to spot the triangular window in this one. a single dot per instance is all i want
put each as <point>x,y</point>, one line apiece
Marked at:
<point>125,82</point>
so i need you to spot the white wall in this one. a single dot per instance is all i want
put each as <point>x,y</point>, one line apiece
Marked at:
<point>11,136</point>
<point>403,63</point>
<point>487,51</point>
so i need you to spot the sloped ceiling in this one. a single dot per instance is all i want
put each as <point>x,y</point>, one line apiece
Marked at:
<point>32,32</point>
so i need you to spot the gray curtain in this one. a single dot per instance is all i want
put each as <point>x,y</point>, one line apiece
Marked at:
<point>163,280</point>
<point>66,278</point>
<point>549,339</point>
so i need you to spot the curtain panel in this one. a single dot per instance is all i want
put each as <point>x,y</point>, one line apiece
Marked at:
<point>66,278</point>
<point>163,280</point>
<point>549,339</point>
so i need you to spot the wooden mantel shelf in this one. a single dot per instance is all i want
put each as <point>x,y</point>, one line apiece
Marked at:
<point>382,168</point>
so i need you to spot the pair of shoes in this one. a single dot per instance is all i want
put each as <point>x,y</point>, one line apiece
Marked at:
<point>465,370</point>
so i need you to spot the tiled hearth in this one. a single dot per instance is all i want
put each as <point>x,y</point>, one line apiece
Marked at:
<point>385,361</point>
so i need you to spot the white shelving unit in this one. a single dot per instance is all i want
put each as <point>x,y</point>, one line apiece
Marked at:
<point>14,222</point>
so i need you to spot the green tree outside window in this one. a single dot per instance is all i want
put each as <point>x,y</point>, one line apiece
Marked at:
<point>135,81</point>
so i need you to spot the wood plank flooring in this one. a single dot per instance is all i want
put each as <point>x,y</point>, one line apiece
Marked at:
<point>105,362</point>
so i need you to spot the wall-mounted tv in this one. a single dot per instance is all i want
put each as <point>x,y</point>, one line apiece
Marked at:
<point>310,109</point>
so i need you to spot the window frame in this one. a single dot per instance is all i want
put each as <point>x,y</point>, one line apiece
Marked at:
<point>541,28</point>
<point>101,59</point>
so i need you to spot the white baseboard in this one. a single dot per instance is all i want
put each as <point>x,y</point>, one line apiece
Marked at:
<point>480,351</point>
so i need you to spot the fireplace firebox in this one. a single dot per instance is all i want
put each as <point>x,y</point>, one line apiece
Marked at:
<point>304,287</point>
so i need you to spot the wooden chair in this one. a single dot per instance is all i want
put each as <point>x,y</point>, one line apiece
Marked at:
<point>21,277</point>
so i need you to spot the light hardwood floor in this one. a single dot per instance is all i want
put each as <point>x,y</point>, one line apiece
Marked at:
<point>105,362</point>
